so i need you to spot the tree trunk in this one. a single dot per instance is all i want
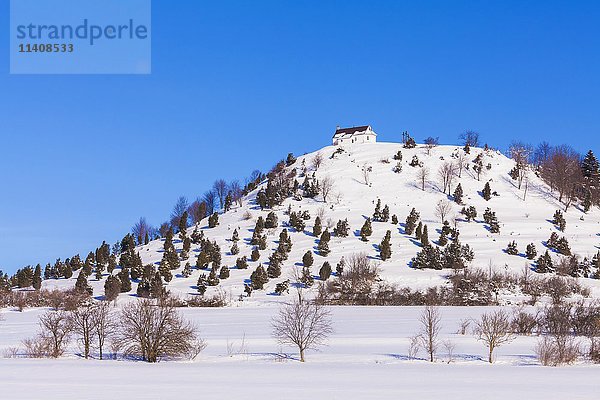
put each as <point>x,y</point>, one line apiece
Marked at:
<point>490,357</point>
<point>302,355</point>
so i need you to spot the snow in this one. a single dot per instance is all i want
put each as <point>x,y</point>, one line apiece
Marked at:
<point>523,221</point>
<point>365,358</point>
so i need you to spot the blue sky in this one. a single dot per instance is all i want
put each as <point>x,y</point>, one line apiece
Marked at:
<point>236,85</point>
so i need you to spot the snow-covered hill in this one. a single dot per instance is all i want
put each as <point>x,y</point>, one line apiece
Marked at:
<point>524,221</point>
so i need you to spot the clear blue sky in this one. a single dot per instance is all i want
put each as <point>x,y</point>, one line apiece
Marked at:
<point>236,85</point>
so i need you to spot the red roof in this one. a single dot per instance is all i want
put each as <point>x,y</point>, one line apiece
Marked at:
<point>354,129</point>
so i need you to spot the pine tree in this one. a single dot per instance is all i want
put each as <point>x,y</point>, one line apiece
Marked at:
<point>165,271</point>
<point>531,251</point>
<point>202,284</point>
<point>213,220</point>
<point>456,256</point>
<point>395,219</point>
<point>307,259</point>
<point>224,272</point>
<point>458,194</point>
<point>590,167</point>
<point>487,192</point>
<point>202,260</point>
<point>255,255</point>
<point>341,229</point>
<point>544,263</point>
<point>377,213</point>
<point>385,248</point>
<point>259,278</point>
<point>470,213</point>
<point>274,268</point>
<point>213,279</point>
<point>428,257</point>
<point>325,271</point>
<point>425,236</point>
<point>81,285</point>
<point>271,221</point>
<point>234,249</point>
<point>143,289</point>
<point>235,237</point>
<point>242,262</point>
<point>317,228</point>
<point>125,281</point>
<point>187,270</point>
<point>323,246</point>
<point>183,224</point>
<point>157,290</point>
<point>410,143</point>
<point>419,231</point>
<point>562,246</point>
<point>112,288</point>
<point>385,214</point>
<point>587,201</point>
<point>559,220</point>
<point>307,278</point>
<point>112,264</point>
<point>37,277</point>
<point>339,268</point>
<point>512,248</point>
<point>262,242</point>
<point>443,240</point>
<point>411,222</point>
<point>366,230</point>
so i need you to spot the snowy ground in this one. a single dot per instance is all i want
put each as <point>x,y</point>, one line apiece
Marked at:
<point>366,358</point>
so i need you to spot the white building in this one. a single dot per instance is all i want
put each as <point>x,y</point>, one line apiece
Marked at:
<point>356,134</point>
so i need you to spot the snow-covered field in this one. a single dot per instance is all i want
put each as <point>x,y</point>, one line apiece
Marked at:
<point>366,358</point>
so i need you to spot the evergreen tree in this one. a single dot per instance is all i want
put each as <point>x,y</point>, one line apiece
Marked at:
<point>202,284</point>
<point>443,240</point>
<point>213,220</point>
<point>143,289</point>
<point>297,222</point>
<point>559,220</point>
<point>224,272</point>
<point>425,236</point>
<point>531,251</point>
<point>458,194</point>
<point>590,167</point>
<point>157,290</point>
<point>428,257</point>
<point>262,242</point>
<point>274,268</point>
<point>385,248</point>
<point>587,201</point>
<point>81,285</point>
<point>234,249</point>
<point>282,287</point>
<point>37,277</point>
<point>187,246</point>
<point>544,263</point>
<point>395,219</point>
<point>339,269</point>
<point>259,278</point>
<point>323,246</point>
<point>562,246</point>
<point>255,255</point>
<point>125,281</point>
<point>112,263</point>
<point>470,213</point>
<point>456,256</point>
<point>317,228</point>
<point>187,270</point>
<point>325,271</point>
<point>377,213</point>
<point>307,259</point>
<point>235,237</point>
<point>271,221</point>
<point>341,229</point>
<point>410,143</point>
<point>512,248</point>
<point>487,191</point>
<point>112,288</point>
<point>385,214</point>
<point>411,222</point>
<point>183,224</point>
<point>213,279</point>
<point>228,202</point>
<point>242,262</point>
<point>419,231</point>
<point>366,230</point>
<point>165,271</point>
<point>202,260</point>
<point>306,278</point>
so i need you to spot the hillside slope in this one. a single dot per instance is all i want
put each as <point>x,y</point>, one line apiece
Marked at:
<point>525,221</point>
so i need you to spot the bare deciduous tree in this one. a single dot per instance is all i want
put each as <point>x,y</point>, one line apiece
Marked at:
<point>562,171</point>
<point>326,185</point>
<point>446,175</point>
<point>461,163</point>
<point>153,331</point>
<point>521,154</point>
<point>197,211</point>
<point>236,192</point>
<point>470,138</point>
<point>180,207</point>
<point>443,208</point>
<point>366,173</point>
<point>494,330</point>
<point>431,325</point>
<point>430,143</point>
<point>302,323</point>
<point>141,229</point>
<point>422,175</point>
<point>316,161</point>
<point>83,322</point>
<point>104,324</point>
<point>56,330</point>
<point>220,189</point>
<point>209,198</point>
